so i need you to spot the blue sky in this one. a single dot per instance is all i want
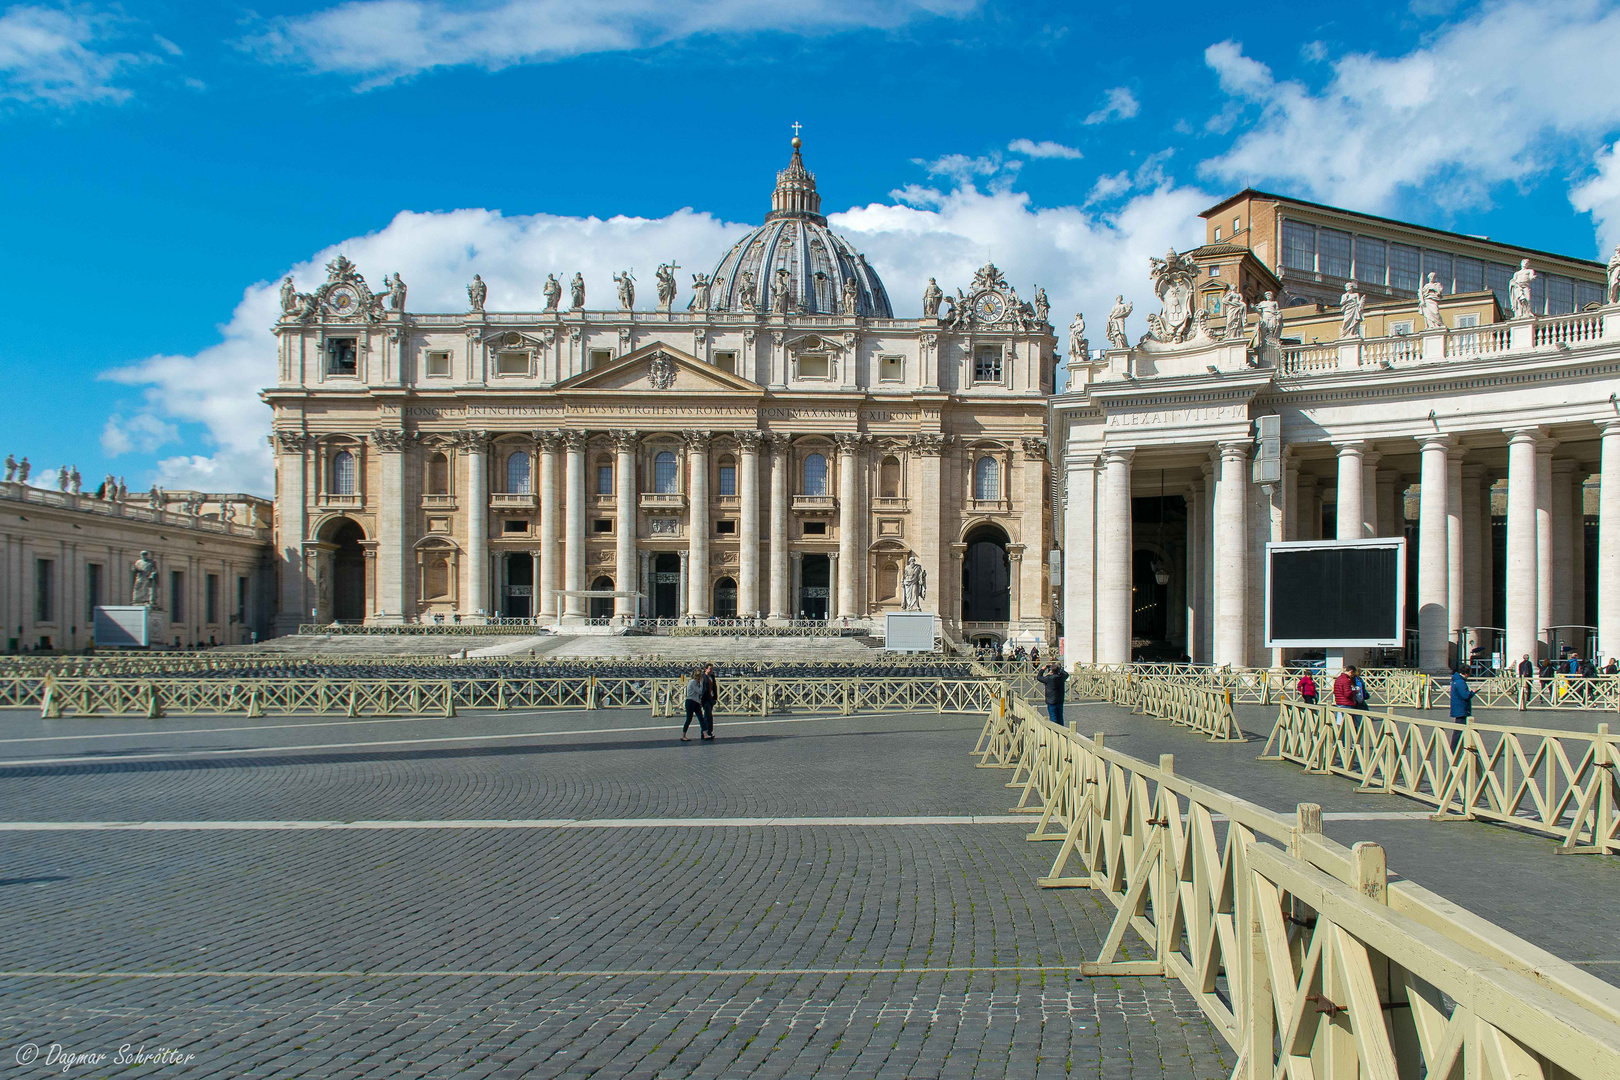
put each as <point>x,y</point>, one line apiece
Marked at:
<point>168,162</point>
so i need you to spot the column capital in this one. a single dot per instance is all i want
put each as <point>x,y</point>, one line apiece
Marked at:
<point>549,442</point>
<point>1533,435</point>
<point>750,442</point>
<point>1564,465</point>
<point>1352,448</point>
<point>474,441</point>
<point>1121,454</point>
<point>1239,450</point>
<point>1608,427</point>
<point>849,442</point>
<point>1438,441</point>
<point>696,441</point>
<point>289,441</point>
<point>393,440</point>
<point>575,441</point>
<point>626,440</point>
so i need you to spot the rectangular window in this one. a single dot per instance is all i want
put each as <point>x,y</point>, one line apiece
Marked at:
<point>604,479</point>
<point>1237,225</point>
<point>438,364</point>
<point>341,358</point>
<point>1470,274</point>
<point>1463,322</point>
<point>211,599</point>
<point>1299,246</point>
<point>726,361</point>
<point>1405,263</point>
<point>44,590</point>
<point>511,363</point>
<point>1214,271</point>
<point>725,527</point>
<point>1538,295</point>
<point>1335,254</point>
<point>891,368</point>
<point>1217,232</point>
<point>1371,260</point>
<point>177,596</point>
<point>987,366</point>
<point>1560,295</point>
<point>602,525</point>
<point>1438,263</point>
<point>92,590</point>
<point>241,599</point>
<point>513,525</point>
<point>1586,295</point>
<point>728,480</point>
<point>815,528</point>
<point>1400,329</point>
<point>600,358</point>
<point>1497,277</point>
<point>813,367</point>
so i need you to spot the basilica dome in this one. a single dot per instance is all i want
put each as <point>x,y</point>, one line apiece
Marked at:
<point>822,268</point>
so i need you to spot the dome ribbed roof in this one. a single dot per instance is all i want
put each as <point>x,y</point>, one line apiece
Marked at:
<point>795,237</point>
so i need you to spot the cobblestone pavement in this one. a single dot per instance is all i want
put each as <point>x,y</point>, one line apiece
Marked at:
<point>672,945</point>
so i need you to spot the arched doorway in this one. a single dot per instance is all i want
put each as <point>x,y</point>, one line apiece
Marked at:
<point>517,598</point>
<point>815,575</point>
<point>986,576</point>
<point>666,586</point>
<point>348,572</point>
<point>725,599</point>
<point>602,606</point>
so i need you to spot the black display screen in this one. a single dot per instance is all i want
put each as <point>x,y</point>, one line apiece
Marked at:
<point>1324,595</point>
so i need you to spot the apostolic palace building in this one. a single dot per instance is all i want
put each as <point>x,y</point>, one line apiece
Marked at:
<point>779,447</point>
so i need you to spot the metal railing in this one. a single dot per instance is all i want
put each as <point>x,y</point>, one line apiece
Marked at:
<point>1555,782</point>
<point>1302,953</point>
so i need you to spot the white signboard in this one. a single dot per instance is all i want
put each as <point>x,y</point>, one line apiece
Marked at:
<point>909,631</point>
<point>122,627</point>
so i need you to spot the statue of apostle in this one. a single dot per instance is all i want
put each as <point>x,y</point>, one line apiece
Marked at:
<point>553,291</point>
<point>1352,310</point>
<point>933,294</point>
<point>1519,290</point>
<point>913,585</point>
<point>576,291</point>
<point>143,576</point>
<point>1429,303</point>
<point>477,293</point>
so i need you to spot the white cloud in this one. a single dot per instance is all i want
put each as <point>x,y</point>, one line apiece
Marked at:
<point>964,169</point>
<point>143,432</point>
<point>1600,197</point>
<point>52,56</point>
<point>1082,258</point>
<point>1497,97</point>
<point>1118,104</point>
<point>1046,148</point>
<point>381,41</point>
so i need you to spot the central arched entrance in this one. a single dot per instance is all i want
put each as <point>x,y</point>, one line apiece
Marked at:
<point>725,599</point>
<point>602,606</point>
<point>666,586</point>
<point>348,572</point>
<point>986,576</point>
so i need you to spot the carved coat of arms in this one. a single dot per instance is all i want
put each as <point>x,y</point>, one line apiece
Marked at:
<point>661,372</point>
<point>1174,278</point>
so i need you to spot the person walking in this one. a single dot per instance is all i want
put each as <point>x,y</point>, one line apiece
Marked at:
<point>1358,688</point>
<point>1344,693</point>
<point>1055,680</point>
<point>1527,670</point>
<point>1462,704</point>
<point>694,703</point>
<point>1307,689</point>
<point>711,694</point>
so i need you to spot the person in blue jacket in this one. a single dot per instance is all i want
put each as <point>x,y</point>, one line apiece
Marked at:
<point>1462,703</point>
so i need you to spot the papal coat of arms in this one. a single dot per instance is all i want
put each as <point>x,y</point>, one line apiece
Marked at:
<point>1174,278</point>
<point>661,372</point>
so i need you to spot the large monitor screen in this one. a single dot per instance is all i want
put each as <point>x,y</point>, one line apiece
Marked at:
<point>1336,593</point>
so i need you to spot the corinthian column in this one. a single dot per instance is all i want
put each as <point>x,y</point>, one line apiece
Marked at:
<point>574,525</point>
<point>624,488</point>
<point>748,443</point>
<point>292,502</point>
<point>1520,572</point>
<point>1114,601</point>
<point>1434,550</point>
<point>476,444</point>
<point>550,443</point>
<point>849,522</point>
<point>781,604</point>
<point>391,527</point>
<point>1609,542</point>
<point>697,543</point>
<point>1231,552</point>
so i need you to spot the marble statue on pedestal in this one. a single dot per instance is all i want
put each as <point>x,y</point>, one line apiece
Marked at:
<point>627,289</point>
<point>700,293</point>
<point>154,498</point>
<point>553,292</point>
<point>61,478</point>
<point>1614,276</point>
<point>933,294</point>
<point>1352,311</point>
<point>23,469</point>
<point>1042,306</point>
<point>11,469</point>
<point>852,298</point>
<point>1429,303</point>
<point>1078,346</point>
<point>396,292</point>
<point>576,292</point>
<point>1116,322</point>
<point>747,297</point>
<point>1268,324</point>
<point>75,481</point>
<point>666,284</point>
<point>477,293</point>
<point>290,303</point>
<point>1519,290</point>
<point>913,585</point>
<point>1237,312</point>
<point>143,581</point>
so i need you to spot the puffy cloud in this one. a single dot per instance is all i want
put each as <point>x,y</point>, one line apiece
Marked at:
<point>382,41</point>
<point>143,432</point>
<point>1046,148</point>
<point>1496,97</point>
<point>54,56</point>
<point>1600,197</point>
<point>965,169</point>
<point>1118,104</point>
<point>1082,258</point>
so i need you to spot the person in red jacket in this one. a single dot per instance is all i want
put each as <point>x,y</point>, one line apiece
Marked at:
<point>1307,689</point>
<point>1344,692</point>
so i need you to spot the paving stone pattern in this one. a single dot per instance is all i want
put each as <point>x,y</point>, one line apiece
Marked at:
<point>837,950</point>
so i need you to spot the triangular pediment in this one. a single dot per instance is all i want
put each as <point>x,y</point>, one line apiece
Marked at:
<point>656,368</point>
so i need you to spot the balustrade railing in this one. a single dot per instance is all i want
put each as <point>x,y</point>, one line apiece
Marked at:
<point>1575,329</point>
<point>1309,359</point>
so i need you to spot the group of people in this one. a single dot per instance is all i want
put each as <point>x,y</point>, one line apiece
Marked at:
<point>1008,651</point>
<point>702,691</point>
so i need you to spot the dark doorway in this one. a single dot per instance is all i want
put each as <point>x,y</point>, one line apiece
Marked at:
<point>725,599</point>
<point>601,606</point>
<point>666,586</point>
<point>517,597</point>
<point>986,576</point>
<point>815,573</point>
<point>348,573</point>
<point>1150,601</point>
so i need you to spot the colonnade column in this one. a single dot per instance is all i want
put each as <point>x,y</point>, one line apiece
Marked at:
<point>748,528</point>
<point>1197,602</point>
<point>1563,543</point>
<point>1207,586</point>
<point>1454,549</point>
<point>1608,616</point>
<point>476,443</point>
<point>574,525</point>
<point>781,607</point>
<point>546,582</point>
<point>1114,534</point>
<point>1079,563</point>
<point>1230,554</point>
<point>849,523</point>
<point>391,518</point>
<point>1433,555</point>
<point>1544,540</point>
<point>1520,572</point>
<point>625,444</point>
<point>1371,510</point>
<point>291,502</point>
<point>1474,583</point>
<point>1350,512</point>
<point>697,592</point>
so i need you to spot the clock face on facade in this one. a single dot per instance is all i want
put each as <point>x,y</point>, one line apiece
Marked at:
<point>343,300</point>
<point>990,307</point>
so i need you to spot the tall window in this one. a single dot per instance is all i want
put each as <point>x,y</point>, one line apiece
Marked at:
<point>177,596</point>
<point>1403,267</point>
<point>889,478</point>
<point>92,590</point>
<point>1470,274</point>
<point>728,477</point>
<point>1587,294</point>
<point>1335,247</point>
<point>438,474</point>
<point>1538,294</point>
<point>987,366</point>
<point>343,473</point>
<point>1299,246</point>
<point>211,599</point>
<point>664,474</point>
<point>986,479</point>
<point>517,473</point>
<point>815,475</point>
<point>44,590</point>
<point>604,478</point>
<point>1560,295</point>
<point>1439,264</point>
<point>241,599</point>
<point>1372,260</point>
<point>1497,278</point>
